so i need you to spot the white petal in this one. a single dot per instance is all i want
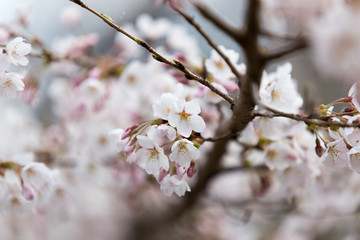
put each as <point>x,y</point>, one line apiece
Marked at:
<point>197,123</point>
<point>184,128</point>
<point>145,142</point>
<point>192,107</point>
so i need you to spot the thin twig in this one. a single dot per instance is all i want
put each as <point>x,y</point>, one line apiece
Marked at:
<point>236,33</point>
<point>303,118</point>
<point>285,51</point>
<point>192,22</point>
<point>282,37</point>
<point>157,56</point>
<point>215,139</point>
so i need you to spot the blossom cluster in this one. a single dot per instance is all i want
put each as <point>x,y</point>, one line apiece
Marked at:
<point>162,146</point>
<point>26,184</point>
<point>14,53</point>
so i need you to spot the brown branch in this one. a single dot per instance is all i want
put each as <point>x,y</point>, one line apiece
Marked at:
<point>242,168</point>
<point>192,22</point>
<point>215,139</point>
<point>236,33</point>
<point>285,51</point>
<point>157,56</point>
<point>304,118</point>
<point>282,37</point>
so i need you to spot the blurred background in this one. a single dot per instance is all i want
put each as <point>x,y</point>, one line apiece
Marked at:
<point>45,22</point>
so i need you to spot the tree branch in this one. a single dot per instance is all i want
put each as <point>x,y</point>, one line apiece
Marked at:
<point>285,51</point>
<point>192,22</point>
<point>157,56</point>
<point>236,33</point>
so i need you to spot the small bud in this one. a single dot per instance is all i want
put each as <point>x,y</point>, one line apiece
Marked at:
<point>180,171</point>
<point>107,17</point>
<point>162,174</point>
<point>191,170</point>
<point>142,43</point>
<point>187,76</point>
<point>157,58</point>
<point>318,149</point>
<point>179,64</point>
<point>156,122</point>
<point>335,128</point>
<point>28,192</point>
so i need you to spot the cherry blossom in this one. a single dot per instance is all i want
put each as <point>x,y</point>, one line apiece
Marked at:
<point>16,50</point>
<point>184,116</point>
<point>183,152</point>
<point>171,184</point>
<point>151,157</point>
<point>164,105</point>
<point>10,83</point>
<point>151,28</point>
<point>278,90</point>
<point>336,154</point>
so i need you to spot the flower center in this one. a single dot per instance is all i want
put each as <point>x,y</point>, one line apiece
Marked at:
<point>154,155</point>
<point>184,116</point>
<point>182,148</point>
<point>7,83</point>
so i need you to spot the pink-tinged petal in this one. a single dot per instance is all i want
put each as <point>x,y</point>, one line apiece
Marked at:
<point>354,93</point>
<point>336,155</point>
<point>145,142</point>
<point>197,123</point>
<point>354,158</point>
<point>184,161</point>
<point>192,107</point>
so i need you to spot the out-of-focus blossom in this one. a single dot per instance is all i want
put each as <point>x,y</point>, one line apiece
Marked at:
<point>71,15</point>
<point>16,50</point>
<point>171,184</point>
<point>10,83</point>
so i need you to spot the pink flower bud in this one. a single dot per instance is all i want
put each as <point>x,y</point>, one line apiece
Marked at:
<point>162,174</point>
<point>180,171</point>
<point>191,170</point>
<point>28,192</point>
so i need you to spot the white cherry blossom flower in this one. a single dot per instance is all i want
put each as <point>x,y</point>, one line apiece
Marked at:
<point>163,106</point>
<point>183,151</point>
<point>38,181</point>
<point>151,156</point>
<point>354,158</point>
<point>336,154</point>
<point>92,88</point>
<point>184,116</point>
<point>10,83</point>
<point>278,90</point>
<point>171,184</point>
<point>71,16</point>
<point>152,29</point>
<point>280,155</point>
<point>16,50</point>
<point>117,134</point>
<point>218,67</point>
<point>161,131</point>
